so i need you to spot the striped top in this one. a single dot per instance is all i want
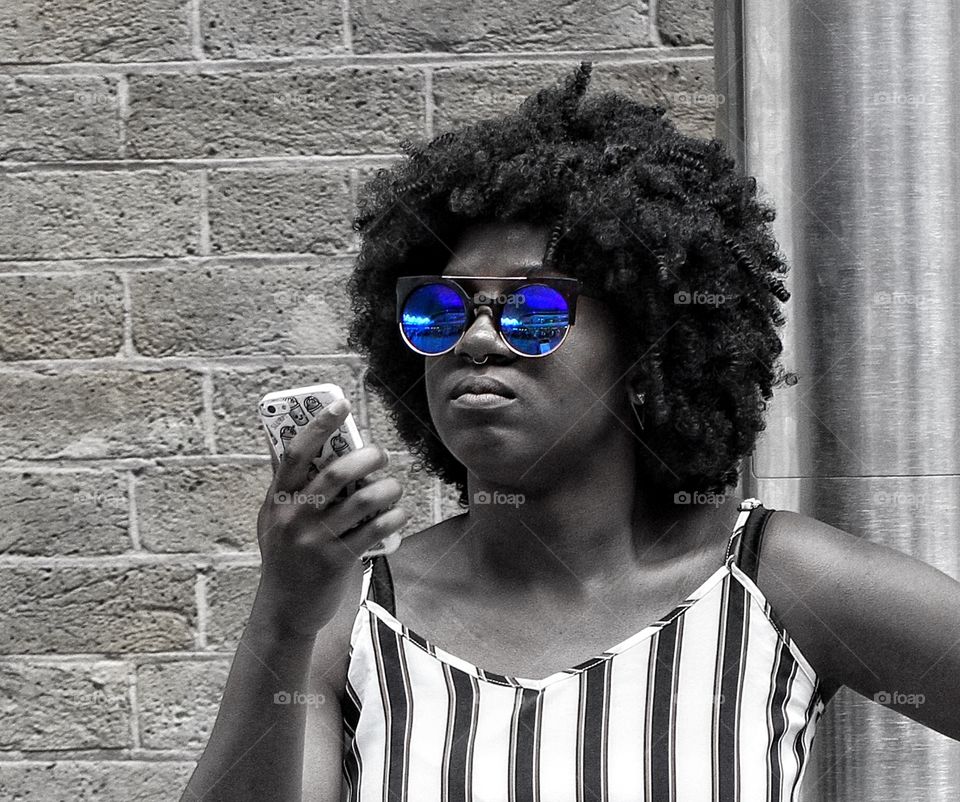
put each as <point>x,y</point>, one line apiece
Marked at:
<point>714,701</point>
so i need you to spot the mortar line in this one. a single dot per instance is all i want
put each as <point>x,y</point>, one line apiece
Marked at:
<point>134,708</point>
<point>127,350</point>
<point>152,364</point>
<point>505,58</point>
<point>194,24</point>
<point>428,101</point>
<point>203,178</point>
<point>133,560</point>
<point>347,28</point>
<point>200,596</point>
<point>208,418</point>
<point>123,111</point>
<point>292,162</point>
<point>653,9</point>
<point>133,527</point>
<point>85,266</point>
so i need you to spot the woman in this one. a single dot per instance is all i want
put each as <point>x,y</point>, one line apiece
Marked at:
<point>588,304</point>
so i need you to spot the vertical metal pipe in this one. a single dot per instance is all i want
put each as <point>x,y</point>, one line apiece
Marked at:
<point>848,114</point>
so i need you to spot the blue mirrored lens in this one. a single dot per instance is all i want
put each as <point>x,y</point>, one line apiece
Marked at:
<point>535,319</point>
<point>433,318</point>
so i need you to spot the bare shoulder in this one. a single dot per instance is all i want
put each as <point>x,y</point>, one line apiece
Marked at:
<point>801,562</point>
<point>861,612</point>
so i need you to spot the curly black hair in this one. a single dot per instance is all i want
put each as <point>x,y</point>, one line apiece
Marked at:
<point>653,222</point>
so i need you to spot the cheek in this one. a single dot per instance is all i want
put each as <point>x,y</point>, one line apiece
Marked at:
<point>595,346</point>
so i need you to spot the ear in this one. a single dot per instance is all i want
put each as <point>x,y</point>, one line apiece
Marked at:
<point>633,381</point>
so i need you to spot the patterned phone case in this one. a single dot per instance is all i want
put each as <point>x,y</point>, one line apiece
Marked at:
<point>284,412</point>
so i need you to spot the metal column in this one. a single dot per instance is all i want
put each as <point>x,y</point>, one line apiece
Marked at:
<point>848,114</point>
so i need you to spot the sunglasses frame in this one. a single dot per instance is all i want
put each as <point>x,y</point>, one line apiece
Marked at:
<point>568,287</point>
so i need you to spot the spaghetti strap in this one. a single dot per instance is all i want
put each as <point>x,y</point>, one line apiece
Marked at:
<point>367,563</point>
<point>378,583</point>
<point>748,545</point>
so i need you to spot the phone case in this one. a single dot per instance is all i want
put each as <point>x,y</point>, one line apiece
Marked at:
<point>284,412</point>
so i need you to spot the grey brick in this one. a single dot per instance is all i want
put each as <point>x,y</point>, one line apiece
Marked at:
<point>59,118</point>
<point>76,30</point>
<point>448,501</point>
<point>378,427</point>
<point>94,780</point>
<point>230,595</point>
<point>284,112</point>
<point>418,490</point>
<point>237,426</point>
<point>102,414</point>
<point>93,214</point>
<point>49,514</point>
<point>272,310</point>
<point>271,28</point>
<point>685,88</point>
<point>73,705</point>
<point>179,702</point>
<point>60,317</point>
<point>85,609</point>
<point>465,95</point>
<point>502,26</point>
<point>299,211</point>
<point>685,22</point>
<point>207,509</point>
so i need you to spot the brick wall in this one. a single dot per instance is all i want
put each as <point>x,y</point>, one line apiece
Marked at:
<point>176,186</point>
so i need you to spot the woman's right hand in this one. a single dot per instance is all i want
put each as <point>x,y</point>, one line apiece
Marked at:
<point>309,543</point>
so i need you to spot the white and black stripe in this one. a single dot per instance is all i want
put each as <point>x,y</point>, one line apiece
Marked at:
<point>712,701</point>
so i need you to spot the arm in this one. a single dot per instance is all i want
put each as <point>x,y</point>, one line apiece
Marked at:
<point>256,748</point>
<point>309,548</point>
<point>867,616</point>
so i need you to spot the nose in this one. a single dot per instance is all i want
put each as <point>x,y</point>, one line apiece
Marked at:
<point>481,338</point>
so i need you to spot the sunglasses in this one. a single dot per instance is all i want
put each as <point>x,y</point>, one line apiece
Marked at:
<point>531,315</point>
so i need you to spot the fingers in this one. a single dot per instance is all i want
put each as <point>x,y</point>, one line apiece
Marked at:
<point>363,505</point>
<point>337,474</point>
<point>274,461</point>
<point>293,471</point>
<point>363,537</point>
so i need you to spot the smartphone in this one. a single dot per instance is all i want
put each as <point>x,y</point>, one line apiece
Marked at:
<point>285,412</point>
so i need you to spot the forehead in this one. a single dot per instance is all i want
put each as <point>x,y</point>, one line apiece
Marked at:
<point>499,249</point>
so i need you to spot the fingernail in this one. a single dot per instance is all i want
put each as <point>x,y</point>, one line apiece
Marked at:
<point>339,406</point>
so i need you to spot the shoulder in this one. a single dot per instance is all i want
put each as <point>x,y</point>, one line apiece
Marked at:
<point>860,612</point>
<point>804,572</point>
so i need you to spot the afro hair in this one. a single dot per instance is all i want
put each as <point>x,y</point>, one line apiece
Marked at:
<point>659,225</point>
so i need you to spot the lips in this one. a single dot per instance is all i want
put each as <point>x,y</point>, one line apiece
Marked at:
<point>481,384</point>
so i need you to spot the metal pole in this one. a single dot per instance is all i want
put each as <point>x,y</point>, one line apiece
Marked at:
<point>848,114</point>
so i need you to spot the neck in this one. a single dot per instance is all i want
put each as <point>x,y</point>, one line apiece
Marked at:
<point>584,527</point>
